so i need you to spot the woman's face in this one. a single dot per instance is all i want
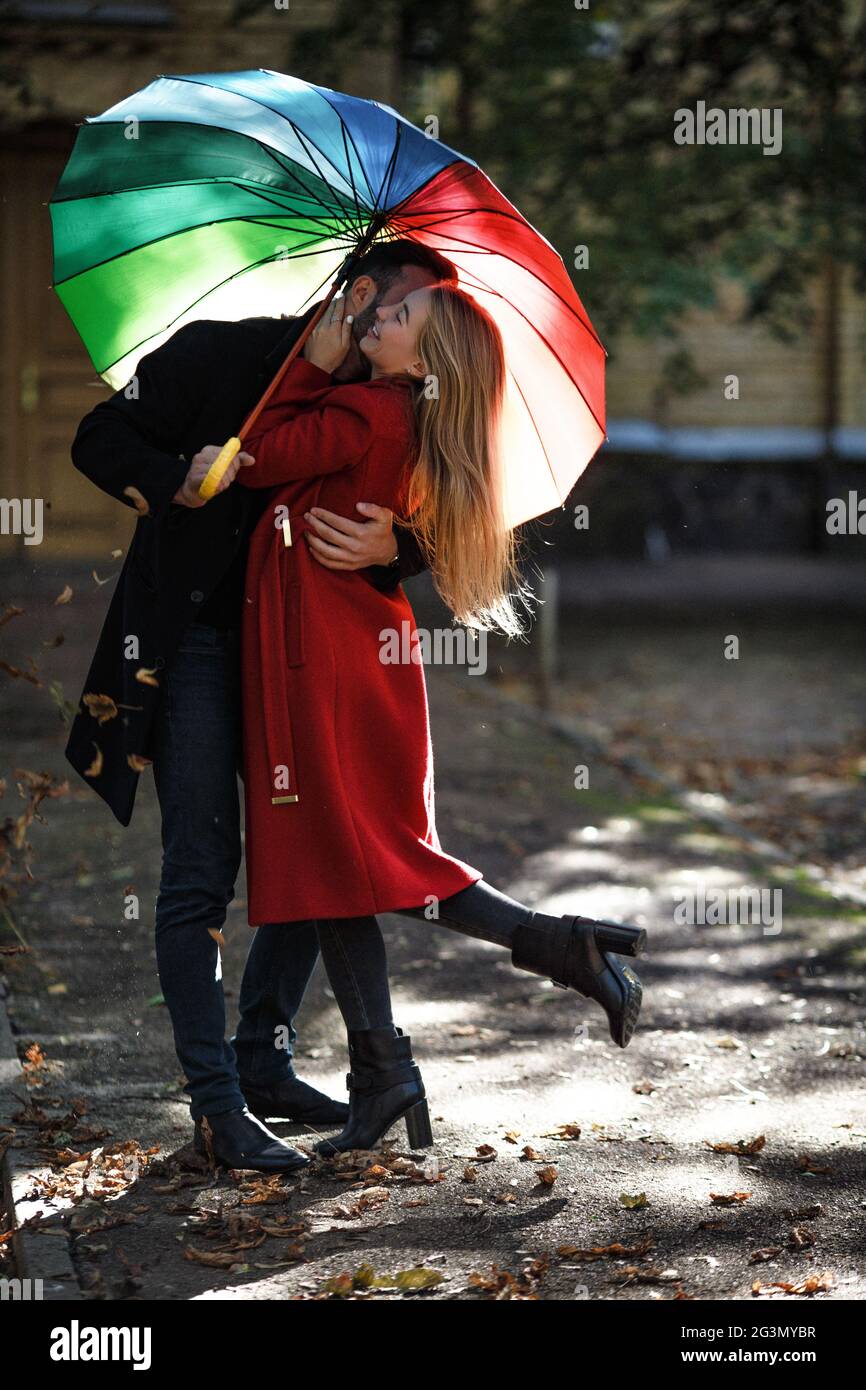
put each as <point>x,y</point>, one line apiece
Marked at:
<point>391,345</point>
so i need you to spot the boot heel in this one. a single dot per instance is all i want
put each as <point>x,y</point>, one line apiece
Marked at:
<point>621,940</point>
<point>418,1126</point>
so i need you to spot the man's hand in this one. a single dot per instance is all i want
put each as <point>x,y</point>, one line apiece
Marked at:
<point>187,493</point>
<point>341,544</point>
<point>331,338</point>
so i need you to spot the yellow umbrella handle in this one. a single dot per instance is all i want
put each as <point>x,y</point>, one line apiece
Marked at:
<point>214,476</point>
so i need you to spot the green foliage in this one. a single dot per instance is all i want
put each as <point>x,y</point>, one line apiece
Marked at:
<point>572,113</point>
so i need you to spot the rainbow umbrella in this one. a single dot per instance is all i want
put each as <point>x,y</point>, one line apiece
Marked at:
<point>229,195</point>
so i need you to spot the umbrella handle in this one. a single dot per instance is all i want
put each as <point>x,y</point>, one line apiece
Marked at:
<point>214,476</point>
<point>212,479</point>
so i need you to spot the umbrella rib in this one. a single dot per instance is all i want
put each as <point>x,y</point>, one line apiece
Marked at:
<point>335,209</point>
<point>314,197</point>
<point>274,111</point>
<point>304,141</point>
<point>347,137</point>
<point>255,266</point>
<point>258,192</point>
<point>321,285</point>
<point>349,167</point>
<point>551,349</point>
<point>275,155</point>
<point>389,167</point>
<point>167,236</point>
<point>477,250</point>
<point>538,434</point>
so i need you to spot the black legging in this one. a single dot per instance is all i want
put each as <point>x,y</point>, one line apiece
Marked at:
<point>356,963</point>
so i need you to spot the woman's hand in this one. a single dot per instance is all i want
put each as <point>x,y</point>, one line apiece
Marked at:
<point>330,340</point>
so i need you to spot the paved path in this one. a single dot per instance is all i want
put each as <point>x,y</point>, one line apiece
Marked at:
<point>748,1038</point>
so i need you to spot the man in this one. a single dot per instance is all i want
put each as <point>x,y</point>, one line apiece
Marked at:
<point>166,671</point>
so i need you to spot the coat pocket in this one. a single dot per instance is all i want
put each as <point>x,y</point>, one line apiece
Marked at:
<point>294,623</point>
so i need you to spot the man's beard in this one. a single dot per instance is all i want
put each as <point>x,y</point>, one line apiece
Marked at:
<point>364,321</point>
<point>361,326</point>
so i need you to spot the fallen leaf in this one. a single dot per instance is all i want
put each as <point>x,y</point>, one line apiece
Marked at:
<point>599,1252</point>
<point>9,612</point>
<point>141,504</point>
<point>18,673</point>
<point>743,1147</point>
<point>102,707</point>
<point>216,1259</point>
<point>96,766</point>
<point>813,1283</point>
<point>569,1131</point>
<point>808,1165</point>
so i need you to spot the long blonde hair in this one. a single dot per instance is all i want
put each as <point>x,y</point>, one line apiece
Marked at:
<point>455,499</point>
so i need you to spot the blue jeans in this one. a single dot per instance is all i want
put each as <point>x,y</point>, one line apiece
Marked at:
<point>356,963</point>
<point>196,756</point>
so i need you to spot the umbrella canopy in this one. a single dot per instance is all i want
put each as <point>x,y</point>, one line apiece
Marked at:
<point>228,195</point>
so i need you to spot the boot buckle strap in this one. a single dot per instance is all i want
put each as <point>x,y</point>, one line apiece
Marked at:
<point>378,1080</point>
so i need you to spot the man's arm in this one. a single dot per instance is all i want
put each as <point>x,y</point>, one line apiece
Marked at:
<point>410,561</point>
<point>129,440</point>
<point>386,555</point>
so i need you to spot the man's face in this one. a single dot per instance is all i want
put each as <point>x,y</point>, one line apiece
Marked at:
<point>411,277</point>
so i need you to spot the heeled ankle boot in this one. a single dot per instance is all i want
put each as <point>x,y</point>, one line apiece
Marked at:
<point>239,1140</point>
<point>295,1100</point>
<point>385,1086</point>
<point>580,953</point>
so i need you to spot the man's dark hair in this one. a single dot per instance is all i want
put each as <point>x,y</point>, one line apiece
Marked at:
<point>385,261</point>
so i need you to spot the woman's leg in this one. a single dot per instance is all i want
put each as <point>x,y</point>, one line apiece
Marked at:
<point>384,1083</point>
<point>356,963</point>
<point>575,952</point>
<point>482,912</point>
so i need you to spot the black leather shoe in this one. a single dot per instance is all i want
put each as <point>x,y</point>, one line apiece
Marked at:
<point>384,1086</point>
<point>241,1141</point>
<point>294,1099</point>
<point>578,953</point>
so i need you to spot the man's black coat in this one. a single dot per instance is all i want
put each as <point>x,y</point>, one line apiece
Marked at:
<point>194,390</point>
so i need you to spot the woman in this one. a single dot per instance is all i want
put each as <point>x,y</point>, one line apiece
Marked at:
<point>338,762</point>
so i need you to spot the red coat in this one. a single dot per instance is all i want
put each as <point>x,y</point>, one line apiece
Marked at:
<point>338,764</point>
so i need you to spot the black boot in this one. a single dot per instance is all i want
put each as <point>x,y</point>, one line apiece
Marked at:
<point>241,1141</point>
<point>384,1086</point>
<point>577,953</point>
<point>293,1099</point>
